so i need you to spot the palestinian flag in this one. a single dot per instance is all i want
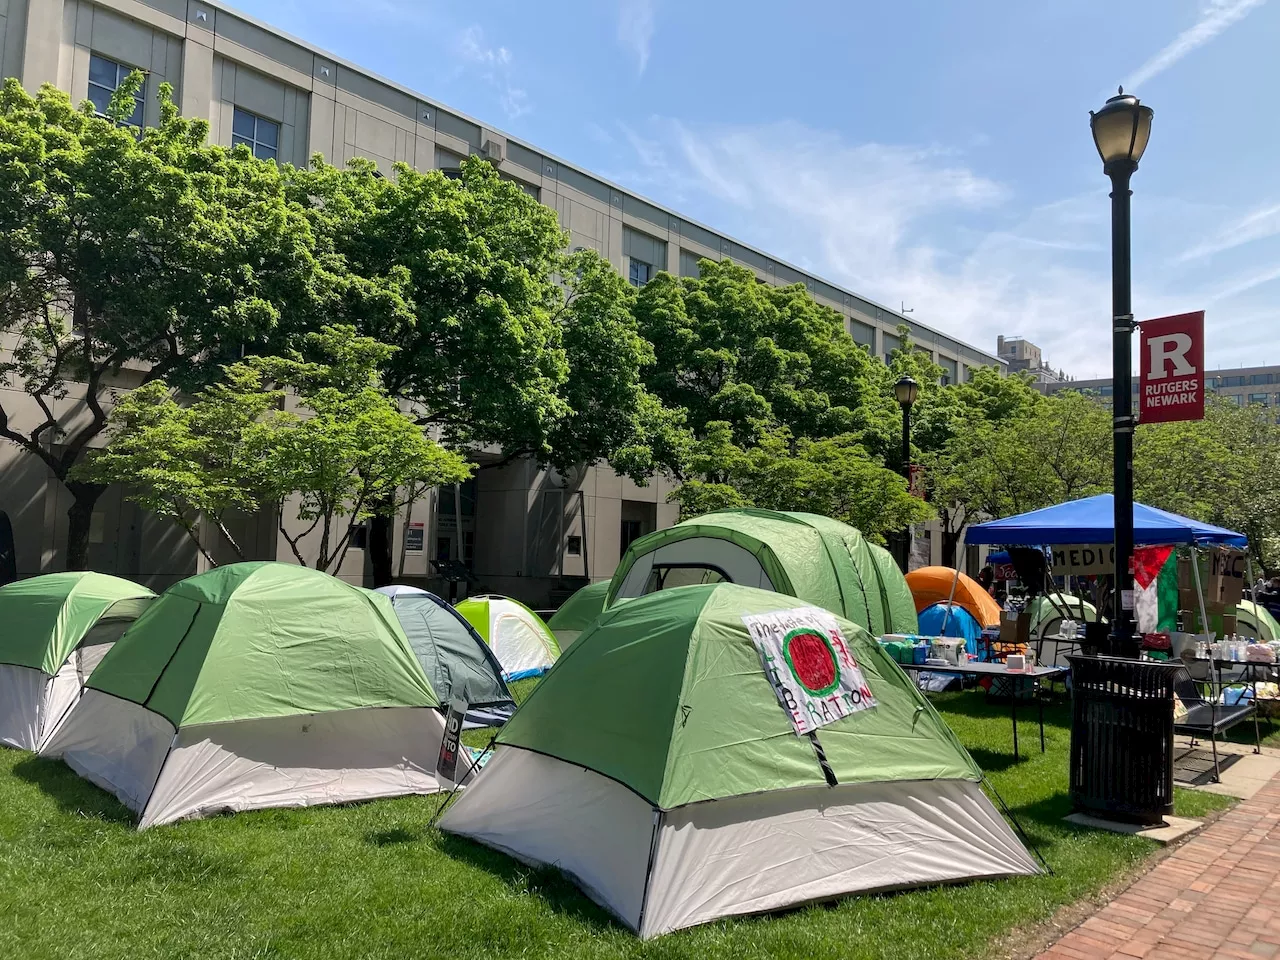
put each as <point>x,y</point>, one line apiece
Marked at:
<point>1155,581</point>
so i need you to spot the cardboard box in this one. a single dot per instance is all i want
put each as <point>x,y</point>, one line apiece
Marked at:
<point>1015,627</point>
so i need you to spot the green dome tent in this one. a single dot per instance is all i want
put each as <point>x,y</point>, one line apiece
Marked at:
<point>1254,620</point>
<point>814,558</point>
<point>256,685</point>
<point>578,612</point>
<point>519,639</point>
<point>56,630</point>
<point>656,765</point>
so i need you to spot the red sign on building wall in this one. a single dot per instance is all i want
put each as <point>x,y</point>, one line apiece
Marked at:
<point>1171,386</point>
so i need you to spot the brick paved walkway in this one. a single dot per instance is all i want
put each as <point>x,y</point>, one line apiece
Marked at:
<point>1215,897</point>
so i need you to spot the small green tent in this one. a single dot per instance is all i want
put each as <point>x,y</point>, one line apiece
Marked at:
<point>256,685</point>
<point>814,558</point>
<point>56,628</point>
<point>520,640</point>
<point>1254,620</point>
<point>657,765</point>
<point>578,612</point>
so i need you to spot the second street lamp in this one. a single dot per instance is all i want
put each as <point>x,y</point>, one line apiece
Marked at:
<point>1120,132</point>
<point>906,390</point>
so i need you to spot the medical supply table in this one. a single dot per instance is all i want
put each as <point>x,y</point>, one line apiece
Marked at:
<point>1035,674</point>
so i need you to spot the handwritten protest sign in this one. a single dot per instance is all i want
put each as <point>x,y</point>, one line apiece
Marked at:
<point>810,666</point>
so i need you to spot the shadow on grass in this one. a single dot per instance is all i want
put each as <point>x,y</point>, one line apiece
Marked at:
<point>995,761</point>
<point>392,837</point>
<point>72,793</point>
<point>1057,713</point>
<point>547,883</point>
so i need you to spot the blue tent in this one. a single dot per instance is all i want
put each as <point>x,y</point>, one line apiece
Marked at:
<point>1091,520</point>
<point>960,623</point>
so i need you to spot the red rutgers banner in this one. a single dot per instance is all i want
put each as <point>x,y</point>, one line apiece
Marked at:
<point>1171,386</point>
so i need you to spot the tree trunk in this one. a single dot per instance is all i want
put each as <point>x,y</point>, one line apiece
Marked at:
<point>80,517</point>
<point>380,540</point>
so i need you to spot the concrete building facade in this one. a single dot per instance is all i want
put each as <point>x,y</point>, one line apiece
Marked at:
<point>1021,355</point>
<point>522,530</point>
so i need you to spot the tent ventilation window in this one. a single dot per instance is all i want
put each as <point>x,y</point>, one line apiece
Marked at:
<point>669,575</point>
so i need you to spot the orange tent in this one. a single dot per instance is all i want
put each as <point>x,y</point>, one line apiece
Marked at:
<point>930,585</point>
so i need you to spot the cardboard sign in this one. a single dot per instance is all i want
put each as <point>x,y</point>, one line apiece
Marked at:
<point>1222,571</point>
<point>1171,385</point>
<point>1084,560</point>
<point>808,663</point>
<point>451,743</point>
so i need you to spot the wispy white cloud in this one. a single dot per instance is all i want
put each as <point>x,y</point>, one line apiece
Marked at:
<point>1215,17</point>
<point>494,64</point>
<point>1256,225</point>
<point>636,24</point>
<point>918,224</point>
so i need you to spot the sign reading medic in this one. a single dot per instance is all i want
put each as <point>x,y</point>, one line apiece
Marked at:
<point>1171,387</point>
<point>810,666</point>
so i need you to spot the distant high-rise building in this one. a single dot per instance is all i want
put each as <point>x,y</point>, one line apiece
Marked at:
<point>1023,355</point>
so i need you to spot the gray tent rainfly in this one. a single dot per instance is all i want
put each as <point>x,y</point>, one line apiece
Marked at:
<point>459,664</point>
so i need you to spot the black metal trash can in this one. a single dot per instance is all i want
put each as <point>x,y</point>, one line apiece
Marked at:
<point>1122,738</point>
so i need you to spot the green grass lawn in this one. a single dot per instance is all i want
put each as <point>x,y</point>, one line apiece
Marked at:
<point>374,881</point>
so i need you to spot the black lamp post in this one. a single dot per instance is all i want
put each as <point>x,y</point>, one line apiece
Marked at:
<point>1120,132</point>
<point>906,390</point>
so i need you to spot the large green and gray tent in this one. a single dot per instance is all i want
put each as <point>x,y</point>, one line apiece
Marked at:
<point>256,685</point>
<point>690,795</point>
<point>817,559</point>
<point>578,612</point>
<point>54,630</point>
<point>456,660</point>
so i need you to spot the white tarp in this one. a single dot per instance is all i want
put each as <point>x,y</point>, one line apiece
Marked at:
<point>306,760</point>
<point>773,850</point>
<point>738,856</point>
<point>542,810</point>
<point>807,661</point>
<point>22,694</point>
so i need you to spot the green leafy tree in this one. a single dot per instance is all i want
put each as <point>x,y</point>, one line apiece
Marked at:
<point>1040,452</point>
<point>832,476</point>
<point>1218,470</point>
<point>127,258</point>
<point>339,451</point>
<point>207,459</point>
<point>505,343</point>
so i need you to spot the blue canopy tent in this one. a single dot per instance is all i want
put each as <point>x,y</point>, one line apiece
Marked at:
<point>1092,520</point>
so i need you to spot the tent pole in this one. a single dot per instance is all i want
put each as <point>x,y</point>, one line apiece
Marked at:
<point>1195,573</point>
<point>1248,572</point>
<point>946,614</point>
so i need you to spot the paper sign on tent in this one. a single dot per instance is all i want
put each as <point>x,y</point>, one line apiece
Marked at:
<point>807,661</point>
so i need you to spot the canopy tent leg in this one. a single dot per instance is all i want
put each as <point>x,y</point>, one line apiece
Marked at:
<point>1195,573</point>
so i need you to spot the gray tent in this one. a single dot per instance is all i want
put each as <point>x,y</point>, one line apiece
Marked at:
<point>459,664</point>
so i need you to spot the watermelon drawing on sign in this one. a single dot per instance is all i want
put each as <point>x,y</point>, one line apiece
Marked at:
<point>812,660</point>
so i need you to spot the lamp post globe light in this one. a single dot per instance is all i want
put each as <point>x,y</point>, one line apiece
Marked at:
<point>906,390</point>
<point>1120,132</point>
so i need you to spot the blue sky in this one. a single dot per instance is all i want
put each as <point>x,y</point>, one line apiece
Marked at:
<point>927,152</point>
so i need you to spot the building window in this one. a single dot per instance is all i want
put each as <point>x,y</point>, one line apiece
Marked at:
<point>639,273</point>
<point>1258,398</point>
<point>1233,381</point>
<point>104,77</point>
<point>1261,378</point>
<point>261,136</point>
<point>573,546</point>
<point>1237,399</point>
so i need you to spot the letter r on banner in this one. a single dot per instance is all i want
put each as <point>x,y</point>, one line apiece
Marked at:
<point>1170,352</point>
